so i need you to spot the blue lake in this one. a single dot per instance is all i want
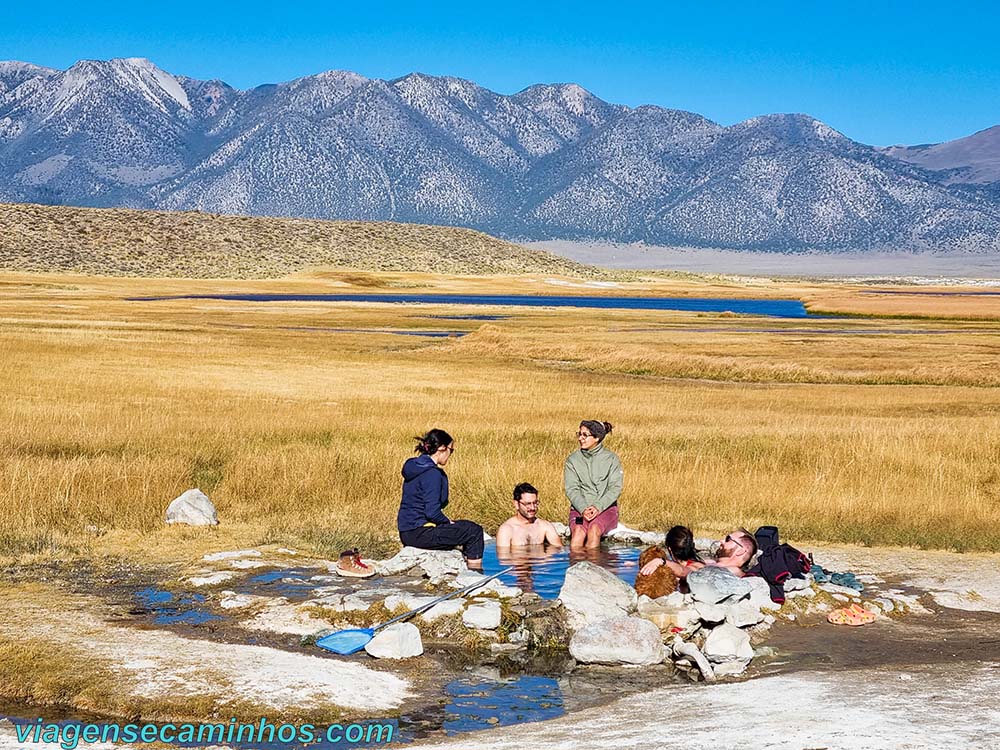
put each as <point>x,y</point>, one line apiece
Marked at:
<point>775,308</point>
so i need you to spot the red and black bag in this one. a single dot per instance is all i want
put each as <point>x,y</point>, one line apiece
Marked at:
<point>778,562</point>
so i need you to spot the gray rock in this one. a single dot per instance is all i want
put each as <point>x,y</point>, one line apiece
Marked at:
<point>485,616</point>
<point>280,616</point>
<point>469,577</point>
<point>249,564</point>
<point>505,648</point>
<point>406,601</point>
<point>728,643</point>
<point>886,604</point>
<point>833,588</point>
<point>712,614</point>
<point>623,533</point>
<point>688,650</point>
<point>688,619</point>
<point>232,600</point>
<point>591,593</point>
<point>328,598</point>
<point>731,668</point>
<point>193,508</point>
<point>363,599</point>
<point>399,641</point>
<point>231,555</point>
<point>760,593</point>
<point>713,584</point>
<point>211,579</point>
<point>675,599</point>
<point>797,584</point>
<point>618,640</point>
<point>743,614</point>
<point>450,607</point>
<point>665,615</point>
<point>520,636</point>
<point>438,565</point>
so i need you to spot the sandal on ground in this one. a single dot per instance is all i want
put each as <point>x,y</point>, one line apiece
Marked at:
<point>865,615</point>
<point>350,565</point>
<point>853,615</point>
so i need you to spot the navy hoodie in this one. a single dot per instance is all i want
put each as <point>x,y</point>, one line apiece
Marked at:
<point>425,493</point>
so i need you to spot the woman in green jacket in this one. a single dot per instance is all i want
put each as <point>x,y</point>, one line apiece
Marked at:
<point>592,480</point>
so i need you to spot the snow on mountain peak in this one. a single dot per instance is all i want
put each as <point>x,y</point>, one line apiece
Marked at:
<point>137,74</point>
<point>575,97</point>
<point>150,78</point>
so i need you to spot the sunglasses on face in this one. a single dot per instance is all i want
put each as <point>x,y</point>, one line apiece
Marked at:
<point>584,435</point>
<point>733,540</point>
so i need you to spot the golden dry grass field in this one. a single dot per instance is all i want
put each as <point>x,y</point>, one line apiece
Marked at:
<point>295,417</point>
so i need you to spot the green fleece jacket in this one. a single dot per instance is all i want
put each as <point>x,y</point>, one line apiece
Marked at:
<point>593,477</point>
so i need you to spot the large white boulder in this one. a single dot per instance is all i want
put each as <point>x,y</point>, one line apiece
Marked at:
<point>714,583</point>
<point>618,640</point>
<point>485,616</point>
<point>399,641</point>
<point>193,508</point>
<point>728,643</point>
<point>591,593</point>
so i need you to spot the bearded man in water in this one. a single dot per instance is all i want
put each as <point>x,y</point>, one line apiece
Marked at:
<point>525,528</point>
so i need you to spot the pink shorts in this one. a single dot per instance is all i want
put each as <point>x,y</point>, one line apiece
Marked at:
<point>606,520</point>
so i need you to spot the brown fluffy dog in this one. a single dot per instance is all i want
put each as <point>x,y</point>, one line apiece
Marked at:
<point>661,582</point>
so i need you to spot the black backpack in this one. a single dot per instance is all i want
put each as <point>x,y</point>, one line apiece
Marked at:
<point>777,562</point>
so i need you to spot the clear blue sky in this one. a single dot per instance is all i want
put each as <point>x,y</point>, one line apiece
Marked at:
<point>880,72</point>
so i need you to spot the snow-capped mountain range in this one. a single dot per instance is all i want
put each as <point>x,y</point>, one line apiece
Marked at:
<point>552,161</point>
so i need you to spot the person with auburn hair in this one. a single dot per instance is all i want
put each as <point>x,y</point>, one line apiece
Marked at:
<point>662,568</point>
<point>593,481</point>
<point>421,520</point>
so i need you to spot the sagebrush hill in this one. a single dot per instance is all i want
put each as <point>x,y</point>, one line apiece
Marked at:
<point>188,244</point>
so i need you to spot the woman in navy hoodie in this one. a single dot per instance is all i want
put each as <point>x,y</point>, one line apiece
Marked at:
<point>421,520</point>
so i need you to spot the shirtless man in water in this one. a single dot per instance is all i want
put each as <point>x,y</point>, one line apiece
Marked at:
<point>525,528</point>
